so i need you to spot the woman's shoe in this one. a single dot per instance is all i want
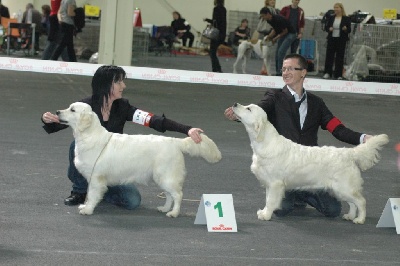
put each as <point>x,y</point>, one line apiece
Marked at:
<point>326,76</point>
<point>264,73</point>
<point>75,199</point>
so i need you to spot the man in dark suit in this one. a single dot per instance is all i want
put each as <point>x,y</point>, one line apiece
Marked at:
<point>297,115</point>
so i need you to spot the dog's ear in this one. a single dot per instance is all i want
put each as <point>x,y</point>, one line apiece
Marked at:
<point>260,130</point>
<point>85,120</point>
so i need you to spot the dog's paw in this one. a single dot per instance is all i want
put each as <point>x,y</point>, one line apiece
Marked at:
<point>163,209</point>
<point>348,217</point>
<point>84,210</point>
<point>264,215</point>
<point>172,214</point>
<point>359,220</point>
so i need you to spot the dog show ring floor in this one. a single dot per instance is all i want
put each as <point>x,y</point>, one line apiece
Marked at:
<point>36,228</point>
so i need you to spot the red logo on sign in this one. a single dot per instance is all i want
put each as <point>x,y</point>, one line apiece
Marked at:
<point>162,71</point>
<point>222,227</point>
<point>13,60</point>
<point>257,77</point>
<point>63,64</point>
<point>210,75</point>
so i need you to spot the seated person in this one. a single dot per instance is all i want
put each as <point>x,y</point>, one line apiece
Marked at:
<point>242,32</point>
<point>31,15</point>
<point>181,29</point>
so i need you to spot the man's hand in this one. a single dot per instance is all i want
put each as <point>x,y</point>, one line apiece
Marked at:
<point>230,114</point>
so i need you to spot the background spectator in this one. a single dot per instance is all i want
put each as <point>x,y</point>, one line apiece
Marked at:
<point>242,32</point>
<point>31,15</point>
<point>264,28</point>
<point>53,33</point>
<point>4,11</point>
<point>46,10</point>
<point>219,21</point>
<point>66,15</point>
<point>283,33</point>
<point>181,29</point>
<point>338,28</point>
<point>295,15</point>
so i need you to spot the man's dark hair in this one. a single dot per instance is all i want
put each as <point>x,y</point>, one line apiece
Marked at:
<point>103,80</point>
<point>265,10</point>
<point>302,61</point>
<point>219,2</point>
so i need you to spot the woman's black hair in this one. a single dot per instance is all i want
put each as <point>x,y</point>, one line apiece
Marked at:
<point>103,80</point>
<point>179,14</point>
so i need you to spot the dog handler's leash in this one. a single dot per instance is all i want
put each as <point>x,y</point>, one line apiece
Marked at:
<point>99,157</point>
<point>161,195</point>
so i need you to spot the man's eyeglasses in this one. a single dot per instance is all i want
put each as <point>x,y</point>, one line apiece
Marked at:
<point>290,69</point>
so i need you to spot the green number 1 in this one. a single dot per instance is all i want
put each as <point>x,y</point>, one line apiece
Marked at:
<point>219,207</point>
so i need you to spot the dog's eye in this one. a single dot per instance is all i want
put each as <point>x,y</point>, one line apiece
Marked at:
<point>72,110</point>
<point>248,108</point>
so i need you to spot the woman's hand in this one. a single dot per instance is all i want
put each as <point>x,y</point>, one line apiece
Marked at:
<point>366,138</point>
<point>194,133</point>
<point>50,118</point>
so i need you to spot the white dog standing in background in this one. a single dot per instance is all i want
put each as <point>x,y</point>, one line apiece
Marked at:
<point>108,159</point>
<point>280,164</point>
<point>266,51</point>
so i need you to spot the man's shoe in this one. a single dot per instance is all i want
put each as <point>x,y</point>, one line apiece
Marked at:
<point>298,204</point>
<point>326,76</point>
<point>75,199</point>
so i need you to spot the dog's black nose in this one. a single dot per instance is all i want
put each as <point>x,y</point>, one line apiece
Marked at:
<point>235,104</point>
<point>58,112</point>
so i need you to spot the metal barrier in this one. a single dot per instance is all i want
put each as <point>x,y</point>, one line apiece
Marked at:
<point>372,54</point>
<point>140,45</point>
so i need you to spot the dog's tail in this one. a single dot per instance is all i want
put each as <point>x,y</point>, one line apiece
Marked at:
<point>367,154</point>
<point>205,149</point>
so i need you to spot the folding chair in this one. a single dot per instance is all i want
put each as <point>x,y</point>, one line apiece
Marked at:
<point>9,33</point>
<point>13,35</point>
<point>309,49</point>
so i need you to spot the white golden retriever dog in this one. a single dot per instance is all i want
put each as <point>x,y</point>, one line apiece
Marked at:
<point>244,52</point>
<point>280,164</point>
<point>107,159</point>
